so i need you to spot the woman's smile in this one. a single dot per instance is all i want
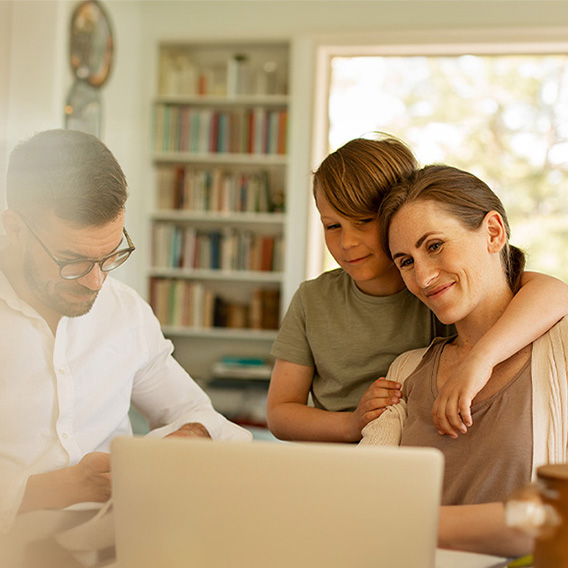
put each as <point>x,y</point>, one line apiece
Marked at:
<point>438,291</point>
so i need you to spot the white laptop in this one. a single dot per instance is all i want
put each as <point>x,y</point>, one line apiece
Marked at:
<point>202,504</point>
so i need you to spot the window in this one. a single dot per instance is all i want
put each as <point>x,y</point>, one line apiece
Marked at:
<point>502,116</point>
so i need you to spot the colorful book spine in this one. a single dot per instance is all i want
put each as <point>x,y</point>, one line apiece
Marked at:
<point>186,303</point>
<point>258,130</point>
<point>214,189</point>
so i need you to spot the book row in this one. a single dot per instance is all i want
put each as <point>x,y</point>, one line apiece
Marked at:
<point>215,189</point>
<point>185,303</point>
<point>230,248</point>
<point>256,130</point>
<point>179,75</point>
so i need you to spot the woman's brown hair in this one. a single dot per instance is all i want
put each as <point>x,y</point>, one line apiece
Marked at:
<point>464,196</point>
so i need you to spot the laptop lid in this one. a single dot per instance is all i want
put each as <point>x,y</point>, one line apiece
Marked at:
<point>196,503</point>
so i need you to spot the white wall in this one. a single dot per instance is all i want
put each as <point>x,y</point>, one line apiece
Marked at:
<point>5,39</point>
<point>35,73</point>
<point>31,44</point>
<point>35,78</point>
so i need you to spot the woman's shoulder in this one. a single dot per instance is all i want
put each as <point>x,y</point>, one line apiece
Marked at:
<point>405,364</point>
<point>556,337</point>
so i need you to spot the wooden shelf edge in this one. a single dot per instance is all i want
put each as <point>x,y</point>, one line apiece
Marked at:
<point>220,333</point>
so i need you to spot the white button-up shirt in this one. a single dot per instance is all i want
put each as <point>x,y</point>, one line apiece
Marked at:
<point>65,396</point>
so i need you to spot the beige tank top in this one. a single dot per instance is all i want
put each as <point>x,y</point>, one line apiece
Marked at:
<point>495,457</point>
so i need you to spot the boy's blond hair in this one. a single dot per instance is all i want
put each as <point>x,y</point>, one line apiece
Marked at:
<point>355,178</point>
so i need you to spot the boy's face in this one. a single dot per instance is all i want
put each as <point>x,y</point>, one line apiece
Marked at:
<point>355,245</point>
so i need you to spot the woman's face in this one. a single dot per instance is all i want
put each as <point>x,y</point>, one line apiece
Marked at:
<point>446,265</point>
<point>355,245</point>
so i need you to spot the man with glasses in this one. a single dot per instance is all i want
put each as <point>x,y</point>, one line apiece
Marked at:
<point>77,348</point>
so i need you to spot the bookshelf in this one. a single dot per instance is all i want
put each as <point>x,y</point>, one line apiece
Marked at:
<point>220,122</point>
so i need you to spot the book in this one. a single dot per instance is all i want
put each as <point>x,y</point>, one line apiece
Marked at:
<point>267,254</point>
<point>237,316</point>
<point>241,368</point>
<point>256,306</point>
<point>271,309</point>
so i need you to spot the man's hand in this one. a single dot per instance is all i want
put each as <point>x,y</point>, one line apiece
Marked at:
<point>380,394</point>
<point>452,409</point>
<point>91,478</point>
<point>190,430</point>
<point>87,481</point>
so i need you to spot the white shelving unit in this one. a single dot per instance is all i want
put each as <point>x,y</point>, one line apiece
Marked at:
<point>206,91</point>
<point>239,159</point>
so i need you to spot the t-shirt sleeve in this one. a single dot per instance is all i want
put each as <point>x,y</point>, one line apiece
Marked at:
<point>291,343</point>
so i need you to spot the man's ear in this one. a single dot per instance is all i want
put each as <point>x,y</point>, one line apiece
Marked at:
<point>496,232</point>
<point>13,225</point>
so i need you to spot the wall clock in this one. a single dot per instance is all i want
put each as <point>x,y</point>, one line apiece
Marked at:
<point>91,43</point>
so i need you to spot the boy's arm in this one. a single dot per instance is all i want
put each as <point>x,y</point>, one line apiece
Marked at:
<point>540,303</point>
<point>290,418</point>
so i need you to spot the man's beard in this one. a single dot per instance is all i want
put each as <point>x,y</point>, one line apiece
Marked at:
<point>49,295</point>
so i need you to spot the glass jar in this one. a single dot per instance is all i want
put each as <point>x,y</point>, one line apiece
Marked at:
<point>541,511</point>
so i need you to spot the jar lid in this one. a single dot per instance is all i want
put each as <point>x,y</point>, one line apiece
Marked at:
<point>553,471</point>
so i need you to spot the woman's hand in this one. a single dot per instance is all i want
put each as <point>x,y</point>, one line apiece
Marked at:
<point>452,409</point>
<point>380,394</point>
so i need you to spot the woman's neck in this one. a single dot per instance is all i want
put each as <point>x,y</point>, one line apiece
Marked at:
<point>483,317</point>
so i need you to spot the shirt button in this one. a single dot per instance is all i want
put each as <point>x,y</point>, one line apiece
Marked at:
<point>61,371</point>
<point>65,435</point>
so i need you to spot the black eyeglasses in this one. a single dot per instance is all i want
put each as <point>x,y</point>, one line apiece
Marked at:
<point>73,269</point>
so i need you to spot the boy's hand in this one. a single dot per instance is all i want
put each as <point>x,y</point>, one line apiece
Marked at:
<point>380,394</point>
<point>452,409</point>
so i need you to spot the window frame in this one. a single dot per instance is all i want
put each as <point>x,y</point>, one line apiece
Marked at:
<point>498,41</point>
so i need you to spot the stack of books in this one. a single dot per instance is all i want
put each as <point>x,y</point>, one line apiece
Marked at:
<point>234,367</point>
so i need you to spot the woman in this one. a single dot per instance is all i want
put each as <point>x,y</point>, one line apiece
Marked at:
<point>448,234</point>
<point>344,329</point>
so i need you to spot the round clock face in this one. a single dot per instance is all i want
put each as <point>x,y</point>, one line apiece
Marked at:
<point>91,45</point>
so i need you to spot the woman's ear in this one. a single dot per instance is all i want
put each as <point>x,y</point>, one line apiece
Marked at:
<point>496,232</point>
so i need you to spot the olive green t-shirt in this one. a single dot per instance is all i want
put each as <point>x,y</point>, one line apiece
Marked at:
<point>350,337</point>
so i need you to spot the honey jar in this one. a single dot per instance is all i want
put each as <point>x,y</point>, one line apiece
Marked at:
<point>541,510</point>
